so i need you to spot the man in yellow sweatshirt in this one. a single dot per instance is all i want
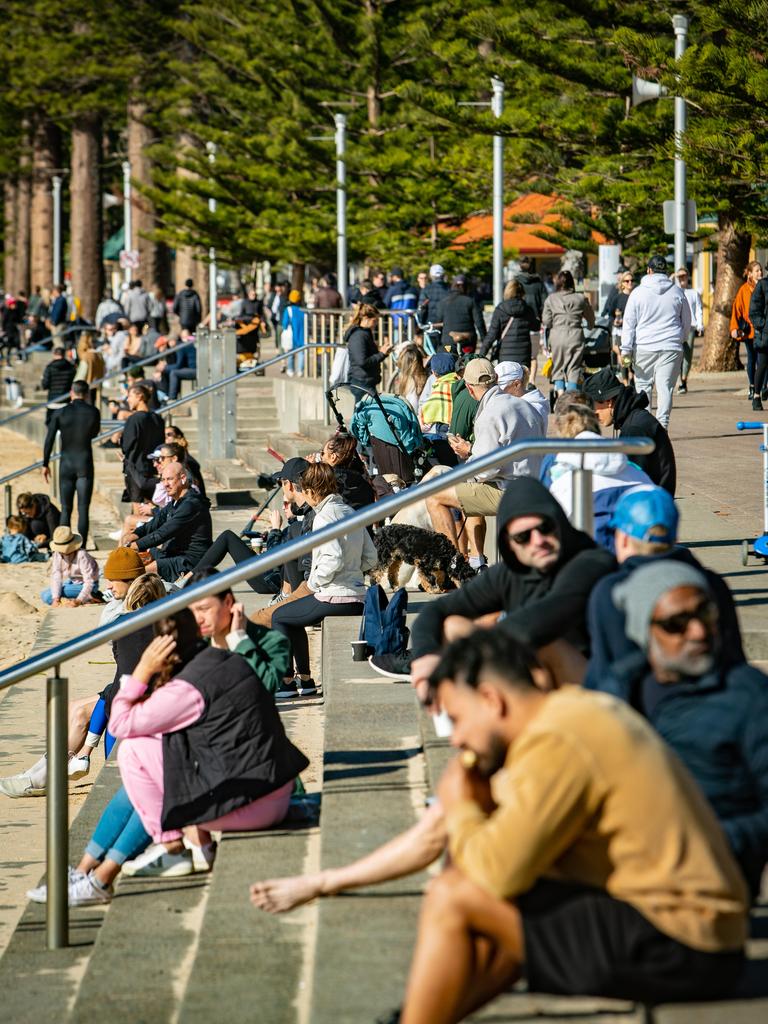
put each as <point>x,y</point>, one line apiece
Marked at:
<point>584,856</point>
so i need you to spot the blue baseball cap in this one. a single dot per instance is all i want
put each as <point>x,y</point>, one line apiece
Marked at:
<point>647,514</point>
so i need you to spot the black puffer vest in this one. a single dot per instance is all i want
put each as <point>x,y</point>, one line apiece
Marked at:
<point>236,752</point>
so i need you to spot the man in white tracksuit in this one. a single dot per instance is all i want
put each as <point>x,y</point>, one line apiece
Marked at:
<point>657,320</point>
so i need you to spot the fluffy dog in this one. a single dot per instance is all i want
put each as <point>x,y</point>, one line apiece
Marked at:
<point>439,566</point>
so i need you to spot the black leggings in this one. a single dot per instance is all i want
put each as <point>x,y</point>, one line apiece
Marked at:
<point>228,543</point>
<point>761,370</point>
<point>69,483</point>
<point>291,618</point>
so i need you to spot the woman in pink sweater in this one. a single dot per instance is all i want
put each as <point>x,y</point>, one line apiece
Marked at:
<point>203,747</point>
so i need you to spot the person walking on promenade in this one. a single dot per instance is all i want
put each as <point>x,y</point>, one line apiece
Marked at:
<point>696,329</point>
<point>57,379</point>
<point>562,315</point>
<point>741,325</point>
<point>137,305</point>
<point>365,356</point>
<point>508,338</point>
<point>462,318</point>
<point>78,423</point>
<point>188,307</point>
<point>657,320</point>
<point>758,314</point>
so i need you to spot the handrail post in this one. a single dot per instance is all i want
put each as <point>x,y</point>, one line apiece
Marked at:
<point>8,501</point>
<point>57,813</point>
<point>227,424</point>
<point>326,379</point>
<point>583,507</point>
<point>55,470</point>
<point>204,402</point>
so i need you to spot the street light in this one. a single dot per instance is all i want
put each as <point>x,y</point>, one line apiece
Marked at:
<point>342,272</point>
<point>127,227</point>
<point>680,26</point>
<point>497,106</point>
<point>56,183</point>
<point>212,296</point>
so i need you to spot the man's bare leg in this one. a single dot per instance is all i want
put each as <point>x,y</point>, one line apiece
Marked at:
<point>469,948</point>
<point>439,508</point>
<point>476,530</point>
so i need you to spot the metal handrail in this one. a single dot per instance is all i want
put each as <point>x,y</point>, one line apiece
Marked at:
<point>96,383</point>
<point>57,834</point>
<point>303,545</point>
<point>170,406</point>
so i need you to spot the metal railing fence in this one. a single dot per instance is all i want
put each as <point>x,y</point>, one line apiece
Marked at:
<point>57,926</point>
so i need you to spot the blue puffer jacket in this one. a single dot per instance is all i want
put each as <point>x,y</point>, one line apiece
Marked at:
<point>369,421</point>
<point>718,727</point>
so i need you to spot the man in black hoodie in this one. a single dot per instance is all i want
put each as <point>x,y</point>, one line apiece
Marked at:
<point>533,286</point>
<point>626,410</point>
<point>543,581</point>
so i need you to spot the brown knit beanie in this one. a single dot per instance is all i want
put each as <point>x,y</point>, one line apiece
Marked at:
<point>123,564</point>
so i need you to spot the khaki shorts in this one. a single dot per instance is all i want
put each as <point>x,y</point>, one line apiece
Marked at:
<point>478,499</point>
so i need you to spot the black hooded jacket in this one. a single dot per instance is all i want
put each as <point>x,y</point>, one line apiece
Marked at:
<point>632,419</point>
<point>516,342</point>
<point>540,607</point>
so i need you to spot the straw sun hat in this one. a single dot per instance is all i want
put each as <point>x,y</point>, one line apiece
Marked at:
<point>64,541</point>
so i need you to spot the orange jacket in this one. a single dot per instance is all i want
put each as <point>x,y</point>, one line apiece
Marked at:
<point>740,309</point>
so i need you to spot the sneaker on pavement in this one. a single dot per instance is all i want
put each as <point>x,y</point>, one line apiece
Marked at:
<point>203,857</point>
<point>116,534</point>
<point>20,785</point>
<point>277,599</point>
<point>682,388</point>
<point>40,894</point>
<point>288,689</point>
<point>78,767</point>
<point>307,687</point>
<point>83,890</point>
<point>393,666</point>
<point>156,862</point>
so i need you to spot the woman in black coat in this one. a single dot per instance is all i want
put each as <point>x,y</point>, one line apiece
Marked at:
<point>365,356</point>
<point>512,341</point>
<point>461,318</point>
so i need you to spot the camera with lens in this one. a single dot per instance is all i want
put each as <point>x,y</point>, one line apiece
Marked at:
<point>267,481</point>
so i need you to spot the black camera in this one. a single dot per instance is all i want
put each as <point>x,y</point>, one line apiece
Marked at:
<point>267,481</point>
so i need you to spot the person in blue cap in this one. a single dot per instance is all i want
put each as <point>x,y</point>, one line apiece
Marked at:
<point>645,520</point>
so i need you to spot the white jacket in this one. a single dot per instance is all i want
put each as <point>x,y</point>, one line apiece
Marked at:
<point>338,566</point>
<point>502,419</point>
<point>540,403</point>
<point>657,317</point>
<point>697,310</point>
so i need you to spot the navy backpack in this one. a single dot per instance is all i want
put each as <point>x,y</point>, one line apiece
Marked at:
<point>383,626</point>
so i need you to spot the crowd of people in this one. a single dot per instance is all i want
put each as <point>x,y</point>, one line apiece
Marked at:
<point>606,815</point>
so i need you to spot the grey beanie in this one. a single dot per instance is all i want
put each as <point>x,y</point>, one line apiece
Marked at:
<point>638,595</point>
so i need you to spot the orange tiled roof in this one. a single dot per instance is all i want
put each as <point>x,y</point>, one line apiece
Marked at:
<point>520,235</point>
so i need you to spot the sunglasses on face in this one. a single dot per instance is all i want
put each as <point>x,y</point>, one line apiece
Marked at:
<point>547,527</point>
<point>677,625</point>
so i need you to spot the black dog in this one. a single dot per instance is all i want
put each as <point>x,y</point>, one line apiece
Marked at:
<point>439,565</point>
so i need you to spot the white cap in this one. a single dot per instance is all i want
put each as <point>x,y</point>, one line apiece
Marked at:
<point>507,372</point>
<point>436,270</point>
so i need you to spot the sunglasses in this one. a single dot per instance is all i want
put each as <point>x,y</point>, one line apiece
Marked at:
<point>705,613</point>
<point>547,527</point>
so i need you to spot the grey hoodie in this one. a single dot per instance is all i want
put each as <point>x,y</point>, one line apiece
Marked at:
<point>657,317</point>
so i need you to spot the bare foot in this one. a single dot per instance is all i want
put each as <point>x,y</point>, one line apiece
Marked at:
<point>277,895</point>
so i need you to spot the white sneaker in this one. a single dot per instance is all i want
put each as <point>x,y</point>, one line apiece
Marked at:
<point>20,785</point>
<point>203,857</point>
<point>78,767</point>
<point>115,535</point>
<point>156,862</point>
<point>83,890</point>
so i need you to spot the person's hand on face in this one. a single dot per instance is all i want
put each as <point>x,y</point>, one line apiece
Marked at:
<point>421,669</point>
<point>275,518</point>
<point>154,657</point>
<point>238,617</point>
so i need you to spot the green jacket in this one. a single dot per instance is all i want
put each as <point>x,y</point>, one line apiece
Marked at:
<point>464,410</point>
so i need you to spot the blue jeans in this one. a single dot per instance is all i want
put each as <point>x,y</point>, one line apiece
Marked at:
<point>298,360</point>
<point>98,724</point>
<point>67,590</point>
<point>119,835</point>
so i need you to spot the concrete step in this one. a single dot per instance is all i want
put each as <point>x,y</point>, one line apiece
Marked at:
<point>372,760</point>
<point>233,476</point>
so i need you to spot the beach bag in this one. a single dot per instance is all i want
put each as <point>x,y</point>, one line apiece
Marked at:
<point>383,627</point>
<point>286,338</point>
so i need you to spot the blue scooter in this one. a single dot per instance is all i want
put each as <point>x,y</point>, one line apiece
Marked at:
<point>760,547</point>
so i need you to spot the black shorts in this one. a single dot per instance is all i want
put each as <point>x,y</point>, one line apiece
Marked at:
<point>581,941</point>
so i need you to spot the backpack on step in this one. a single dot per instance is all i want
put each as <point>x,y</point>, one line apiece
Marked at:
<point>383,627</point>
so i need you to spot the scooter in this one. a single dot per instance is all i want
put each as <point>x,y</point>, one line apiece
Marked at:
<point>760,546</point>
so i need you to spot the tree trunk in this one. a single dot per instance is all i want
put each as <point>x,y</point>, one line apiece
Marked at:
<point>10,229</point>
<point>46,156</point>
<point>86,233</point>
<point>298,273</point>
<point>719,351</point>
<point>23,215</point>
<point>154,257</point>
